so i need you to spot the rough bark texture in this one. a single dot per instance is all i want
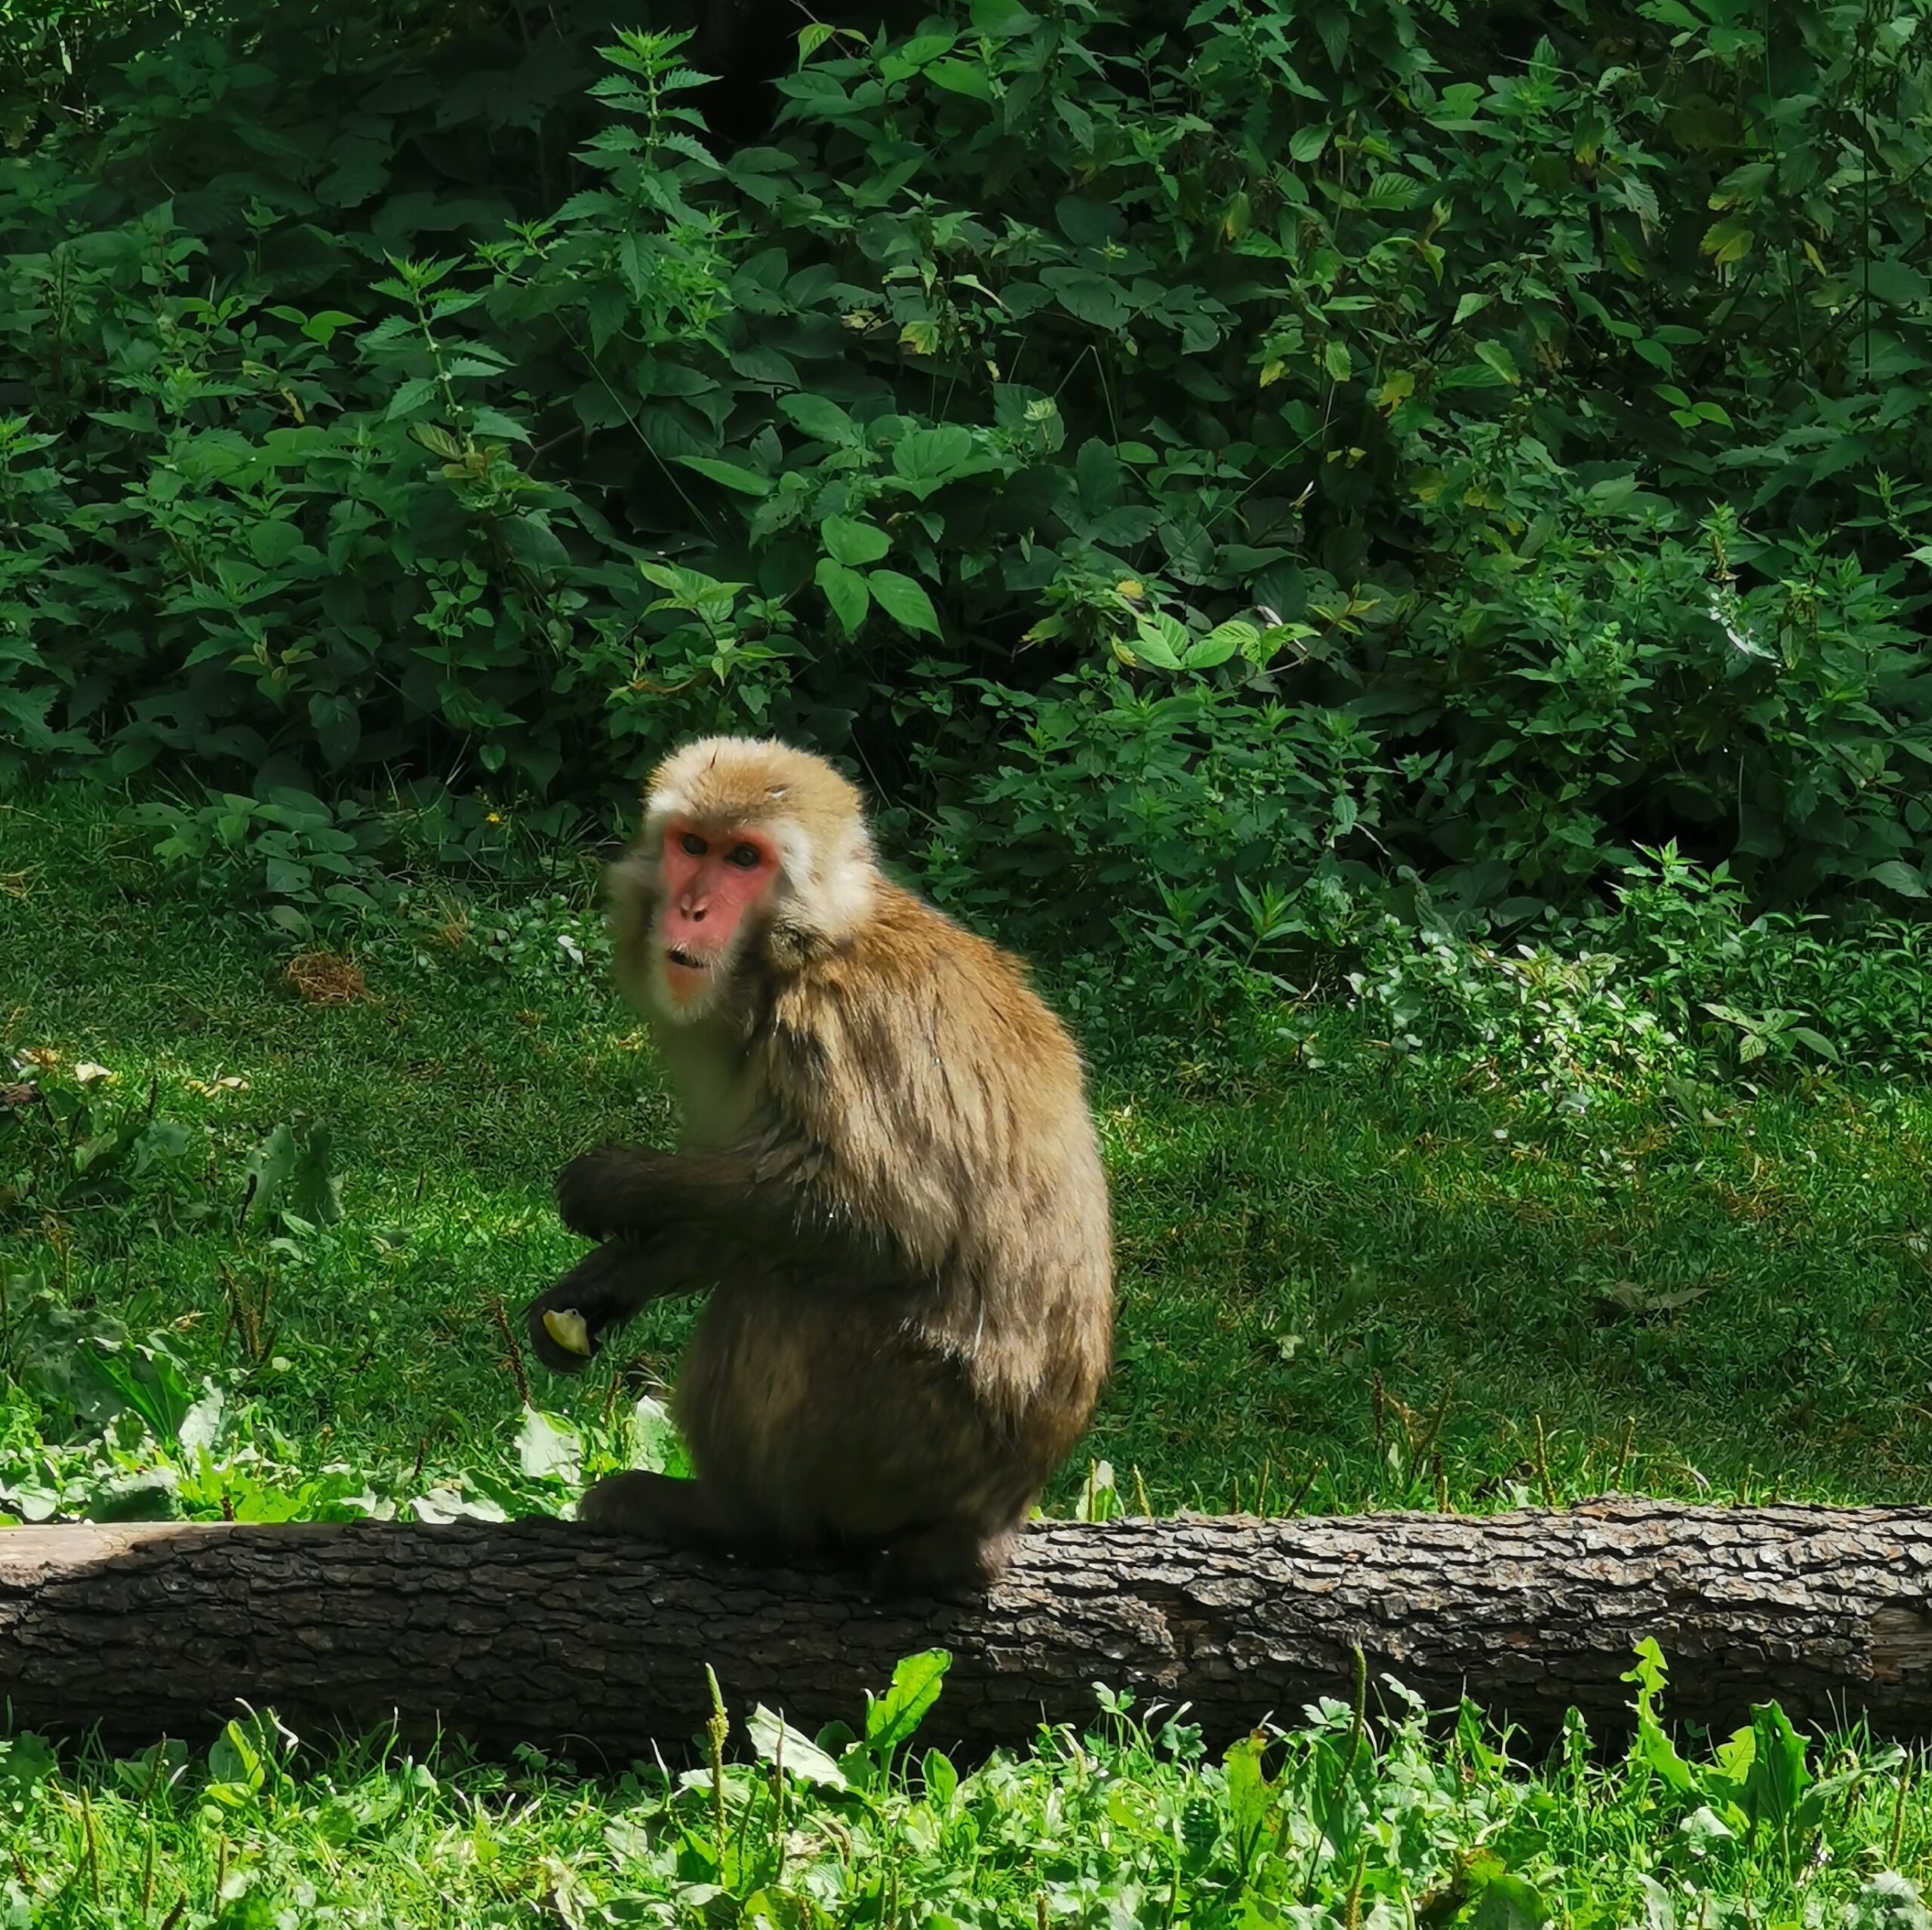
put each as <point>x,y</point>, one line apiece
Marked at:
<point>543,1632</point>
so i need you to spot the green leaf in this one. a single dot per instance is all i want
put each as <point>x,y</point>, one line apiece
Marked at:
<point>1728,241</point>
<point>1897,875</point>
<point>413,394</point>
<point>1779,1774</point>
<point>845,591</point>
<point>290,1173</point>
<point>1250,1794</point>
<point>819,417</point>
<point>891,1719</point>
<point>1090,297</point>
<point>776,1740</point>
<point>904,601</point>
<point>928,459</point>
<point>655,1442</point>
<point>1306,143</point>
<point>274,541</point>
<point>1096,470</point>
<point>1160,640</point>
<point>959,77</point>
<point>941,1779</point>
<point>1209,652</point>
<point>732,476</point>
<point>853,543</point>
<point>1496,356</point>
<point>548,1450</point>
<point>1510,1902</point>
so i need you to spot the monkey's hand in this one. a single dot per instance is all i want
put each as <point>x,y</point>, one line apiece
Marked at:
<point>604,1290</point>
<point>616,1189</point>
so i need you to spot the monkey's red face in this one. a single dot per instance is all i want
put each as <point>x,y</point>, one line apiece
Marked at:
<point>713,880</point>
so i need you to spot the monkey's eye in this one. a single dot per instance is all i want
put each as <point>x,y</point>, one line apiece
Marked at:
<point>694,845</point>
<point>746,857</point>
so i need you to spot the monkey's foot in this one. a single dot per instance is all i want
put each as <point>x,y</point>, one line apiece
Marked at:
<point>658,1508</point>
<point>951,1562</point>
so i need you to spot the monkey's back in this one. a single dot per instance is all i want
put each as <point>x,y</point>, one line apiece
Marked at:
<point>915,1080</point>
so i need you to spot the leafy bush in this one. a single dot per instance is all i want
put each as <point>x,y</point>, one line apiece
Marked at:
<point>1280,446</point>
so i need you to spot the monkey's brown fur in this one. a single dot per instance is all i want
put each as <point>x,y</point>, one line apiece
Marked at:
<point>890,1181</point>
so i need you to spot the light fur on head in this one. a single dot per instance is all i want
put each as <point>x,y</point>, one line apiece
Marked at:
<point>827,877</point>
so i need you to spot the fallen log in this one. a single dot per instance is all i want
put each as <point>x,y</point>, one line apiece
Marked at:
<point>541,1632</point>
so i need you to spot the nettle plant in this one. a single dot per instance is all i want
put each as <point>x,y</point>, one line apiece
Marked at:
<point>1169,453</point>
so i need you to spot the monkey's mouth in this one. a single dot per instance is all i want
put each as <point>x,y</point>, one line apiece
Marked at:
<point>690,961</point>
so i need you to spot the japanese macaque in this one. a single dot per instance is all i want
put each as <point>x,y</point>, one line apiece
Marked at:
<point>889,1181</point>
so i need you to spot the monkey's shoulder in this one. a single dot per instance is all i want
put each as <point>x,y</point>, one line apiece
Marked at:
<point>912,953</point>
<point>913,987</point>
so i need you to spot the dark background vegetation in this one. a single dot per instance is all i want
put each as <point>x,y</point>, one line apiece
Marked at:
<point>1294,448</point>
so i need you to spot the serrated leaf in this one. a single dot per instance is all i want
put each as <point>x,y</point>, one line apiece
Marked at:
<point>905,602</point>
<point>853,543</point>
<point>412,394</point>
<point>1727,240</point>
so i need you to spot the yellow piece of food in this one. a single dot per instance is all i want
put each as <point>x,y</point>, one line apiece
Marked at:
<point>566,1326</point>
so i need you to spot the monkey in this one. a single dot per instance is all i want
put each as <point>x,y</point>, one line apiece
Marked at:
<point>889,1180</point>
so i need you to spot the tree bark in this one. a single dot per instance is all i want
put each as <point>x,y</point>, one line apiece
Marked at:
<point>543,1632</point>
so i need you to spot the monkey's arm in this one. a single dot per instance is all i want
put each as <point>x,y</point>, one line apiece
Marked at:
<point>607,1286</point>
<point>711,1197</point>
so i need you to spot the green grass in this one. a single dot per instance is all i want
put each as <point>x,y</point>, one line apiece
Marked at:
<point>1326,1826</point>
<point>1347,1284</point>
<point>1339,1284</point>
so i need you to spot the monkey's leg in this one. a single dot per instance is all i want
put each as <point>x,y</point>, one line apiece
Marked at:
<point>952,1560</point>
<point>688,1514</point>
<point>605,1288</point>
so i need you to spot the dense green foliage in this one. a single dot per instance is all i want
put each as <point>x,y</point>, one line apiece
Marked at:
<point>1281,445</point>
